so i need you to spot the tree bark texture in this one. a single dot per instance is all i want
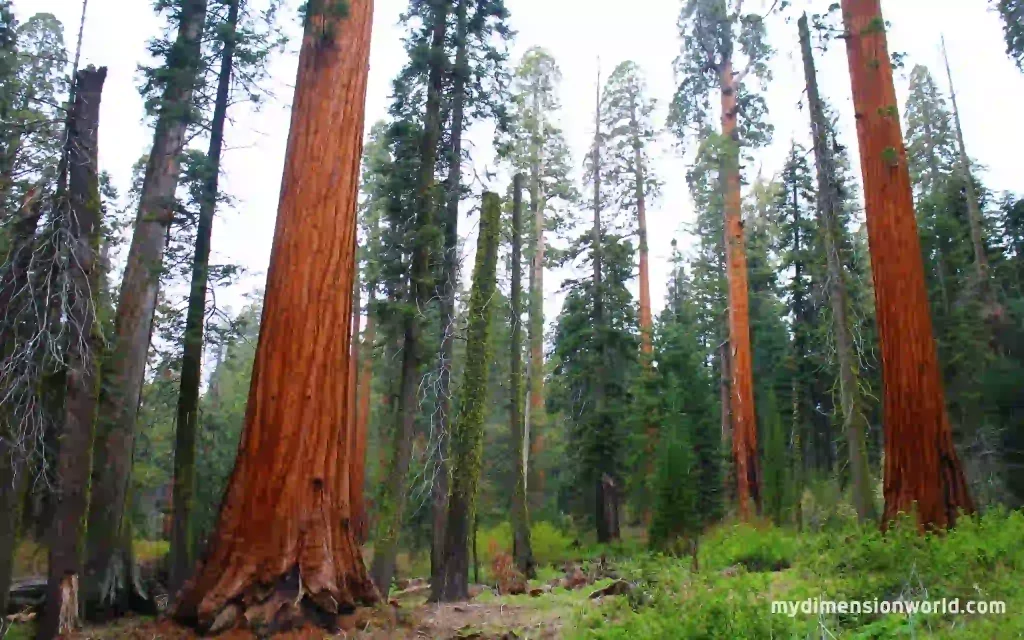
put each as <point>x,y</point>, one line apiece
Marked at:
<point>854,419</point>
<point>359,515</point>
<point>283,553</point>
<point>449,283</point>
<point>741,388</point>
<point>421,290</point>
<point>922,469</point>
<point>467,438</point>
<point>606,505</point>
<point>521,544</point>
<point>182,554</point>
<point>535,408</point>
<point>124,371</point>
<point>85,343</point>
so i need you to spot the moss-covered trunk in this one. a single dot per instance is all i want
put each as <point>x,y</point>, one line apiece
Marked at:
<point>467,435</point>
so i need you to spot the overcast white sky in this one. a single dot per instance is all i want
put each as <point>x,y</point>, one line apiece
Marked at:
<point>990,90</point>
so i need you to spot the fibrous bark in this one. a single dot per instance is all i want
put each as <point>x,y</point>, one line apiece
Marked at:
<point>922,470</point>
<point>421,289</point>
<point>105,585</point>
<point>829,202</point>
<point>521,544</point>
<point>182,554</point>
<point>74,455</point>
<point>741,386</point>
<point>467,435</point>
<point>283,553</point>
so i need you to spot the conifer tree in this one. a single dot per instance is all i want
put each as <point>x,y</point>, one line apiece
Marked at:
<point>284,524</point>
<point>109,558</point>
<point>422,234</point>
<point>1012,13</point>
<point>929,481</point>
<point>83,224</point>
<point>467,436</point>
<point>836,245</point>
<point>627,122</point>
<point>536,147</point>
<point>522,548</point>
<point>716,37</point>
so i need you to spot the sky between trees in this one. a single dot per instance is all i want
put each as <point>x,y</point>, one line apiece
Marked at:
<point>581,35</point>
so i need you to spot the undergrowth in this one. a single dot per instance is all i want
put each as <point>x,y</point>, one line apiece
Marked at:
<point>743,568</point>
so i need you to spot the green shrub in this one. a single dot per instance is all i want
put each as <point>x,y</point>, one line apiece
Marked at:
<point>760,547</point>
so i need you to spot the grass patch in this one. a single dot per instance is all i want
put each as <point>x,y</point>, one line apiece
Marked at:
<point>982,559</point>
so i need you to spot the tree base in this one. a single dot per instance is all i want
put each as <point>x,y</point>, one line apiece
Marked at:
<point>283,606</point>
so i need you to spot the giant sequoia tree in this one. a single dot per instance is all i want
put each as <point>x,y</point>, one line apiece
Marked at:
<point>721,46</point>
<point>283,552</point>
<point>630,132</point>
<point>922,470</point>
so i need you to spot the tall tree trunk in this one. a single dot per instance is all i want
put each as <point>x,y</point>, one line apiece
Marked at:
<point>359,515</point>
<point>855,422</point>
<point>640,175</point>
<point>973,208</point>
<point>521,544</point>
<point>724,395</point>
<point>922,469</point>
<point>606,507</point>
<point>283,552</point>
<point>467,438</point>
<point>182,534</point>
<point>535,410</point>
<point>449,282</point>
<point>123,372</point>
<point>357,426</point>
<point>741,400</point>
<point>74,455</point>
<point>421,289</point>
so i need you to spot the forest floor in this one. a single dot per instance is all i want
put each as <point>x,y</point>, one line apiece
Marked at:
<point>627,592</point>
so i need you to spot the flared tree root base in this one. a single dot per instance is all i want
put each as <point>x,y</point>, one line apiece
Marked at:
<point>286,605</point>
